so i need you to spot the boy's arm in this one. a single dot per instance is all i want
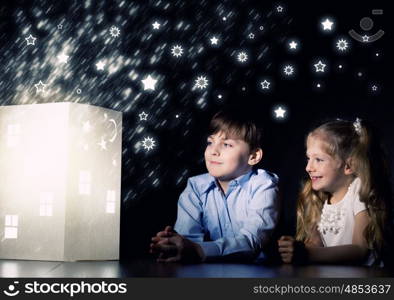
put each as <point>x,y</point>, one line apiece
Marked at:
<point>189,215</point>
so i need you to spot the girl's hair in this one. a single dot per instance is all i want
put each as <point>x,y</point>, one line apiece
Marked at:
<point>357,144</point>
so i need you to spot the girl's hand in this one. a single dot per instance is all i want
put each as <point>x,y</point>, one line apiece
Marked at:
<point>286,246</point>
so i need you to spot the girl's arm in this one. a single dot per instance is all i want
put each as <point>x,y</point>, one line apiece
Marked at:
<point>352,253</point>
<point>314,240</point>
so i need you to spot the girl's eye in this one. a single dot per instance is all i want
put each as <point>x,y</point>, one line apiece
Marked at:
<point>209,143</point>
<point>319,160</point>
<point>227,145</point>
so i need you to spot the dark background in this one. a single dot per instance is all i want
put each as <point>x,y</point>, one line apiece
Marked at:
<point>178,114</point>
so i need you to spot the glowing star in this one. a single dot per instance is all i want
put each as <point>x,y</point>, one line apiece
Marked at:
<point>63,58</point>
<point>365,38</point>
<point>374,88</point>
<point>319,66</point>
<point>114,31</point>
<point>143,116</point>
<point>293,45</point>
<point>279,9</point>
<point>265,84</point>
<point>288,70</point>
<point>100,66</point>
<point>40,87</point>
<point>177,51</point>
<point>342,45</point>
<point>242,57</point>
<point>220,96</point>
<point>327,24</point>
<point>60,26</point>
<point>280,112</point>
<point>148,143</point>
<point>214,40</point>
<point>251,36</point>
<point>30,40</point>
<point>86,127</point>
<point>201,82</point>
<point>149,83</point>
<point>156,25</point>
<point>103,144</point>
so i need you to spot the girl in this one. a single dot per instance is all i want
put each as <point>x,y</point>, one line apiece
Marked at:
<point>344,208</point>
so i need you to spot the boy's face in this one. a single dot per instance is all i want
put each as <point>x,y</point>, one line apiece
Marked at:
<point>226,158</point>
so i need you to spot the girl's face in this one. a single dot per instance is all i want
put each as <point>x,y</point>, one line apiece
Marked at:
<point>328,173</point>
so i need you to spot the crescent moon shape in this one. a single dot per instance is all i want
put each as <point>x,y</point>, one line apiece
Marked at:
<point>115,131</point>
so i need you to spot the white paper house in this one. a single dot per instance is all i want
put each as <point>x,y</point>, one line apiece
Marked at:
<point>60,176</point>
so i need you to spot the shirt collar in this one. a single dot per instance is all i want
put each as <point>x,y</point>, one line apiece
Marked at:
<point>241,180</point>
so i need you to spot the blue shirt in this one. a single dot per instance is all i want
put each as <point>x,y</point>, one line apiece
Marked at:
<point>240,221</point>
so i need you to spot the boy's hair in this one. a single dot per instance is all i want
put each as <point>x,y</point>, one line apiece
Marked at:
<point>356,143</point>
<point>236,124</point>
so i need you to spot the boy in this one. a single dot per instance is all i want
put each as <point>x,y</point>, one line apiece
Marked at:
<point>229,211</point>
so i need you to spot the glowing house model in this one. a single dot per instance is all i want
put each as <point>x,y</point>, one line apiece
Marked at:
<point>60,170</point>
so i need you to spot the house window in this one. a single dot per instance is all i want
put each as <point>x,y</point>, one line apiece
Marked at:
<point>13,135</point>
<point>46,204</point>
<point>84,182</point>
<point>110,208</point>
<point>11,227</point>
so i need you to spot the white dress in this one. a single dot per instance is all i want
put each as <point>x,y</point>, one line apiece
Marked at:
<point>336,223</point>
<point>337,220</point>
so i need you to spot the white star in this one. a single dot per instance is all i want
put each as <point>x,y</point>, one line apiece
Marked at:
<point>63,58</point>
<point>114,31</point>
<point>148,143</point>
<point>293,45</point>
<point>86,126</point>
<point>327,24</point>
<point>156,25</point>
<point>40,87</point>
<point>103,144</point>
<point>177,51</point>
<point>265,84</point>
<point>280,112</point>
<point>279,8</point>
<point>214,40</point>
<point>143,116</point>
<point>30,40</point>
<point>365,38</point>
<point>251,35</point>
<point>374,88</point>
<point>288,70</point>
<point>319,66</point>
<point>149,83</point>
<point>60,26</point>
<point>201,82</point>
<point>342,44</point>
<point>242,56</point>
<point>220,96</point>
<point>100,65</point>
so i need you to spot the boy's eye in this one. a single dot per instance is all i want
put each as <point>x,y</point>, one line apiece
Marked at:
<point>227,145</point>
<point>319,160</point>
<point>209,142</point>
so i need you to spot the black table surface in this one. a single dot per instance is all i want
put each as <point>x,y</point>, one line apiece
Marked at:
<point>146,267</point>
